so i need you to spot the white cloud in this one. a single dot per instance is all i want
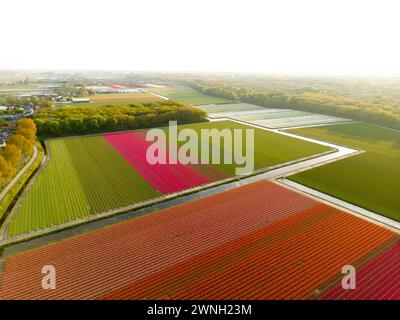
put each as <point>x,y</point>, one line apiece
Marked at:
<point>314,36</point>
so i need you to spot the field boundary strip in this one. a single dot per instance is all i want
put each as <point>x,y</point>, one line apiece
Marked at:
<point>284,132</point>
<point>317,125</point>
<point>342,152</point>
<point>371,180</point>
<point>157,95</point>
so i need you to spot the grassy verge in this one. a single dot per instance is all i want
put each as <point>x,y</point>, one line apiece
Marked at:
<point>15,190</point>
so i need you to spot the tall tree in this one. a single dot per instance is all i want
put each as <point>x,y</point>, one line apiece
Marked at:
<point>27,123</point>
<point>12,154</point>
<point>83,91</point>
<point>27,133</point>
<point>7,171</point>
<point>22,143</point>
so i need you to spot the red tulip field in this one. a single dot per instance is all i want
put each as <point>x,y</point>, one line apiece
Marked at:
<point>259,241</point>
<point>165,178</point>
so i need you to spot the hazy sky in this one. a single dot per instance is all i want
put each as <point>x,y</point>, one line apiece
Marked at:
<point>321,36</point>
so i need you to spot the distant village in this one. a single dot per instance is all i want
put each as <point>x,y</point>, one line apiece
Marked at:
<point>21,98</point>
<point>9,115</point>
<point>17,101</point>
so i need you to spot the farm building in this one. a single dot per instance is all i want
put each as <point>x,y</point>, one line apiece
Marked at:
<point>80,100</point>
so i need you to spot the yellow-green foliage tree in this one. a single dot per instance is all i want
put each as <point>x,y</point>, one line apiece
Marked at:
<point>19,148</point>
<point>22,143</point>
<point>7,171</point>
<point>27,133</point>
<point>12,154</point>
<point>26,124</point>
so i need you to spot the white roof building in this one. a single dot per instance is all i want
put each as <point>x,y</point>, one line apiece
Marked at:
<point>80,100</point>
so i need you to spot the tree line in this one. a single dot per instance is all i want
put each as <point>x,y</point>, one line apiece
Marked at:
<point>18,150</point>
<point>13,101</point>
<point>71,120</point>
<point>376,103</point>
<point>71,90</point>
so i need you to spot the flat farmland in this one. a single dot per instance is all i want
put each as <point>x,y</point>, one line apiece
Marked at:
<point>112,102</point>
<point>196,98</point>
<point>83,176</point>
<point>269,148</point>
<point>165,88</point>
<point>259,241</point>
<point>10,88</point>
<point>370,180</point>
<point>124,96</point>
<point>96,174</point>
<point>379,278</point>
<point>228,108</point>
<point>118,99</point>
<point>273,118</point>
<point>188,95</point>
<point>166,178</point>
<point>292,120</point>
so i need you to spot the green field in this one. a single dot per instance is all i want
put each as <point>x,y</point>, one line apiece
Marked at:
<point>12,87</point>
<point>115,99</point>
<point>105,103</point>
<point>86,175</point>
<point>196,98</point>
<point>230,108</point>
<point>269,148</point>
<point>83,176</point>
<point>267,117</point>
<point>370,180</point>
<point>20,184</point>
<point>188,95</point>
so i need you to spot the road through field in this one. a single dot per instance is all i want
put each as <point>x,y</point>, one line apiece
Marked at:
<point>342,152</point>
<point>295,167</point>
<point>38,210</point>
<point>20,173</point>
<point>156,94</point>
